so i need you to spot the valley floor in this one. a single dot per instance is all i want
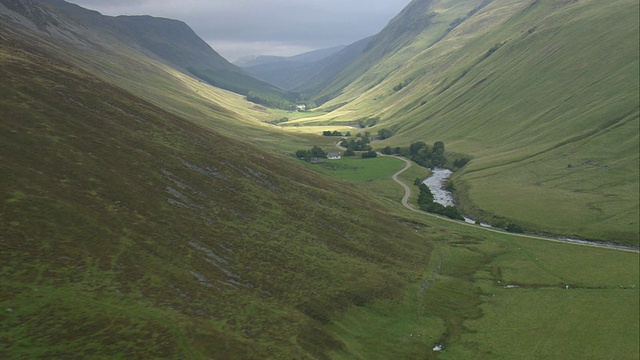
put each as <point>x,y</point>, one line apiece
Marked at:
<point>579,242</point>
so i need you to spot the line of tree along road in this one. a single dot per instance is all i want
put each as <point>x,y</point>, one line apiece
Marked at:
<point>426,203</point>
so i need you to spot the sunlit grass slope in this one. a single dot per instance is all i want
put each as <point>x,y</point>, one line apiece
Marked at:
<point>543,95</point>
<point>418,26</point>
<point>374,175</point>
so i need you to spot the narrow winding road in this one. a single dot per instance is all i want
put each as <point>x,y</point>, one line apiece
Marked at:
<point>405,203</point>
<point>407,189</point>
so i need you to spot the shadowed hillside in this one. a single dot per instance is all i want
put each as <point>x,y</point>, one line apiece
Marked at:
<point>108,54</point>
<point>169,40</point>
<point>128,231</point>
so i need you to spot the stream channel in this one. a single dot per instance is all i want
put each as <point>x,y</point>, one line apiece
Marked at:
<point>437,181</point>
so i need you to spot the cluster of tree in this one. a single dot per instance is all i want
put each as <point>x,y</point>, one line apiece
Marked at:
<point>308,105</point>
<point>384,134</point>
<point>393,151</point>
<point>315,152</point>
<point>427,203</point>
<point>427,156</point>
<point>362,143</point>
<point>421,153</point>
<point>369,154</point>
<point>335,133</point>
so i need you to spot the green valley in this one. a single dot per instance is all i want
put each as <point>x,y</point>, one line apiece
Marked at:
<point>149,210</point>
<point>548,119</point>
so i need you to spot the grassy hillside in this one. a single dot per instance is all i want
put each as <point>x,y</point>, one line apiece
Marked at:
<point>543,95</point>
<point>119,62</point>
<point>127,230</point>
<point>418,26</point>
<point>331,67</point>
<point>171,41</point>
<point>496,297</point>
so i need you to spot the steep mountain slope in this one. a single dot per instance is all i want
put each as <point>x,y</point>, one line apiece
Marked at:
<point>128,231</point>
<point>171,41</point>
<point>332,66</point>
<point>115,59</point>
<point>421,24</point>
<point>543,95</point>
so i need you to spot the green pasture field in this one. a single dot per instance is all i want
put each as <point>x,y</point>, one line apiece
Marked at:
<point>485,295</point>
<point>413,173</point>
<point>496,296</point>
<point>374,174</point>
<point>356,169</point>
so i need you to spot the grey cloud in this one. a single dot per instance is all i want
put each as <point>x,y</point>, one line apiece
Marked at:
<point>270,27</point>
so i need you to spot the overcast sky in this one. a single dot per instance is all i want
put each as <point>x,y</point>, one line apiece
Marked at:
<point>236,28</point>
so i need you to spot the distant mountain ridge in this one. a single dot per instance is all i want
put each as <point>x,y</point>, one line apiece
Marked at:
<point>416,27</point>
<point>171,41</point>
<point>299,73</point>
<point>307,73</point>
<point>307,57</point>
<point>175,42</point>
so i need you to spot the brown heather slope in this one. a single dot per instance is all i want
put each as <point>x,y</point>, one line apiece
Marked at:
<point>127,231</point>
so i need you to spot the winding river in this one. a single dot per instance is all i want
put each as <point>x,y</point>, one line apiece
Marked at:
<point>436,183</point>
